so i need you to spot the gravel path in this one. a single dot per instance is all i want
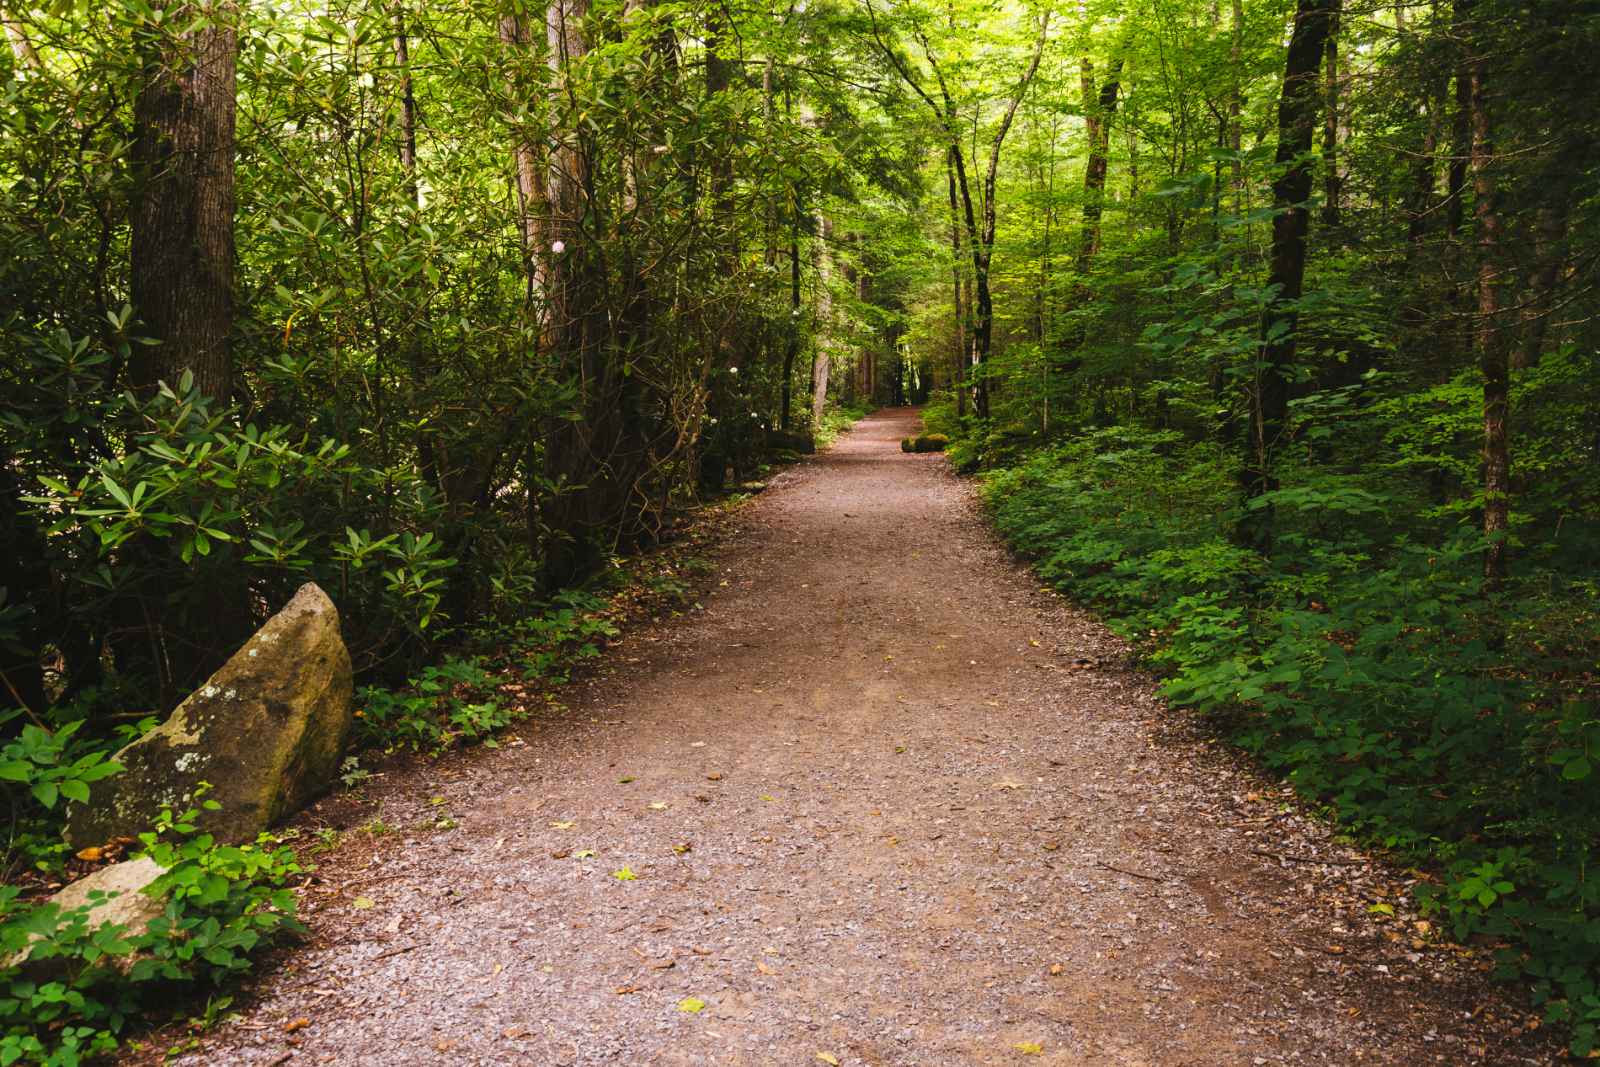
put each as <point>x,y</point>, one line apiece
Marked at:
<point>886,803</point>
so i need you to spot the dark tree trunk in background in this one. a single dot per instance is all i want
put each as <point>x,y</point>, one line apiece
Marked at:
<point>1332,181</point>
<point>1269,389</point>
<point>791,351</point>
<point>1489,339</point>
<point>181,250</point>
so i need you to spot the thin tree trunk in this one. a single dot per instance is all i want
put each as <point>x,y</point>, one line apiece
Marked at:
<point>181,250</point>
<point>958,369</point>
<point>1269,392</point>
<point>823,337</point>
<point>1100,108</point>
<point>1493,355</point>
<point>1332,180</point>
<point>1550,257</point>
<point>22,50</point>
<point>791,350</point>
<point>530,179</point>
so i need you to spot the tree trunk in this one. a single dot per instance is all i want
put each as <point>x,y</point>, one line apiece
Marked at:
<point>1490,340</point>
<point>1332,180</point>
<point>181,249</point>
<point>1269,389</point>
<point>958,367</point>
<point>1100,107</point>
<point>791,350</point>
<point>823,336</point>
<point>22,50</point>
<point>530,179</point>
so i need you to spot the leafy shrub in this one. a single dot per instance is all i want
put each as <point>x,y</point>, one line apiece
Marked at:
<point>1365,665</point>
<point>223,903</point>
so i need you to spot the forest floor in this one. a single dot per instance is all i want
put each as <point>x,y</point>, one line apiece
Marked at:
<point>883,801</point>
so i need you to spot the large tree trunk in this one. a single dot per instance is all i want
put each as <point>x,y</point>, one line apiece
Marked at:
<point>580,454</point>
<point>1489,339</point>
<point>181,248</point>
<point>1269,387</point>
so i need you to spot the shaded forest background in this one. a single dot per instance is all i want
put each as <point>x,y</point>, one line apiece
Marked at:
<point>1271,325</point>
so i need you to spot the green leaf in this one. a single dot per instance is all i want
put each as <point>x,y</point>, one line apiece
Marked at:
<point>73,789</point>
<point>46,794</point>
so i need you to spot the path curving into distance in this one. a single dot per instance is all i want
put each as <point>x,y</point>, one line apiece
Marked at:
<point>930,817</point>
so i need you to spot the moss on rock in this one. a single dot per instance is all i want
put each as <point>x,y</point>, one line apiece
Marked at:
<point>266,730</point>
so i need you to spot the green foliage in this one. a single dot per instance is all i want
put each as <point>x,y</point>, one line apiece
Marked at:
<point>1366,667</point>
<point>82,984</point>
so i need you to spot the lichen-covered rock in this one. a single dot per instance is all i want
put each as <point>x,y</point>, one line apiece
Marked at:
<point>114,894</point>
<point>267,731</point>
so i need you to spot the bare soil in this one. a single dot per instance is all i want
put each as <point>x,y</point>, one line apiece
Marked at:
<point>885,802</point>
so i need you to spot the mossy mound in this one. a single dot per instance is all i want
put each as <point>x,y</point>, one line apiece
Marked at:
<point>928,442</point>
<point>907,445</point>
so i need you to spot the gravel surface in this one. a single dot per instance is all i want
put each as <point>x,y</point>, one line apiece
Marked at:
<point>885,802</point>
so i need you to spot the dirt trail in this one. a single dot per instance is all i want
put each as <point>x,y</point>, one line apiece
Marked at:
<point>930,819</point>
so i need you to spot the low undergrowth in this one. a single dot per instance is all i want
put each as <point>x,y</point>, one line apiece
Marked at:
<point>1364,661</point>
<point>83,986</point>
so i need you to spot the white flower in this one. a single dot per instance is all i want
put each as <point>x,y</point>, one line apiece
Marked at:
<point>733,370</point>
<point>558,247</point>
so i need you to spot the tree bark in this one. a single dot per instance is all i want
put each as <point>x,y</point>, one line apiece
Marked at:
<point>1100,107</point>
<point>823,337</point>
<point>529,176</point>
<point>1332,180</point>
<point>181,249</point>
<point>1490,340</point>
<point>958,366</point>
<point>1269,388</point>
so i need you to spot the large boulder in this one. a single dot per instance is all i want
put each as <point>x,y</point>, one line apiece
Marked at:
<point>114,894</point>
<point>267,731</point>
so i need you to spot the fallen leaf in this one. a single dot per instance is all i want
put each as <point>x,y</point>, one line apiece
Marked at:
<point>828,1058</point>
<point>296,1024</point>
<point>91,855</point>
<point>625,781</point>
<point>714,776</point>
<point>658,805</point>
<point>1051,846</point>
<point>624,990</point>
<point>763,968</point>
<point>663,965</point>
<point>1028,1048</point>
<point>1056,968</point>
<point>567,825</point>
<point>624,875</point>
<point>765,797</point>
<point>1335,949</point>
<point>692,1005</point>
<point>583,854</point>
<point>561,854</point>
<point>361,903</point>
<point>1008,785</point>
<point>681,847</point>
